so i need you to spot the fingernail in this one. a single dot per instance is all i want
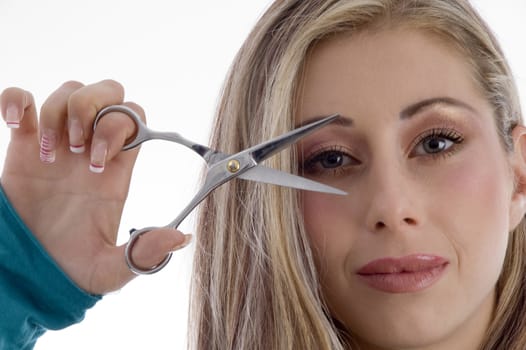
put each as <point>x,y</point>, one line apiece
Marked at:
<point>12,118</point>
<point>187,240</point>
<point>98,156</point>
<point>48,143</point>
<point>76,136</point>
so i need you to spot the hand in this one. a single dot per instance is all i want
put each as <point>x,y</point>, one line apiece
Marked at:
<point>72,211</point>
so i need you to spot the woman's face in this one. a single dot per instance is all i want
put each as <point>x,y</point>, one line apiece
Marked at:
<point>410,257</point>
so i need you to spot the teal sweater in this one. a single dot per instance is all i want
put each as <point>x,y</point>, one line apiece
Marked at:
<point>35,294</point>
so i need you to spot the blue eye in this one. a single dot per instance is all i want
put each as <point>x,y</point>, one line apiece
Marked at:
<point>436,141</point>
<point>435,144</point>
<point>329,160</point>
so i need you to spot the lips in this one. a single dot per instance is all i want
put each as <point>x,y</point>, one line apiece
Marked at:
<point>407,274</point>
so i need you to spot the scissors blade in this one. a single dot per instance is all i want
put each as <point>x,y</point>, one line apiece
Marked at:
<point>266,149</point>
<point>276,177</point>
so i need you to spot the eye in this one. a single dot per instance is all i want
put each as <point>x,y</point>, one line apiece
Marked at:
<point>328,160</point>
<point>436,141</point>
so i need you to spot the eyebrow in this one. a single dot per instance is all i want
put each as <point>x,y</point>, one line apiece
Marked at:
<point>421,106</point>
<point>406,113</point>
<point>340,120</point>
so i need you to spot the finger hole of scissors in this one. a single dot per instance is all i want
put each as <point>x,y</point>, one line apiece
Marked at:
<point>140,133</point>
<point>135,235</point>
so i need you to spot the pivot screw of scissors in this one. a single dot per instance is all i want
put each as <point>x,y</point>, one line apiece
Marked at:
<point>233,165</point>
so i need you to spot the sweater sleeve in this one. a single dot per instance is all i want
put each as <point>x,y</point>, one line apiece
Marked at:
<point>35,294</point>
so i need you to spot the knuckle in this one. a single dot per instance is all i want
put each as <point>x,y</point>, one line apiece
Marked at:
<point>137,108</point>
<point>114,86</point>
<point>11,91</point>
<point>80,102</point>
<point>58,99</point>
<point>46,108</point>
<point>71,85</point>
<point>12,94</point>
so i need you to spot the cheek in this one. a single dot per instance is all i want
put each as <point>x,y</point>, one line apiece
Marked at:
<point>315,222</point>
<point>472,207</point>
<point>476,192</point>
<point>328,226</point>
<point>470,182</point>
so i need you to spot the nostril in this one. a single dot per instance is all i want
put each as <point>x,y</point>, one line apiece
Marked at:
<point>380,225</point>
<point>407,221</point>
<point>410,221</point>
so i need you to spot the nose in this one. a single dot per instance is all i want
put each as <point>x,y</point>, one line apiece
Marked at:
<point>392,200</point>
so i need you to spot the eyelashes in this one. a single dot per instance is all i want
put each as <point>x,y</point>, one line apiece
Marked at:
<point>336,160</point>
<point>436,142</point>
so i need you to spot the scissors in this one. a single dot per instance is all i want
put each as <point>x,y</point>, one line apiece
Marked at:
<point>221,168</point>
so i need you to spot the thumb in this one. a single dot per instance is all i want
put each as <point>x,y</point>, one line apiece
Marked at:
<point>148,251</point>
<point>150,248</point>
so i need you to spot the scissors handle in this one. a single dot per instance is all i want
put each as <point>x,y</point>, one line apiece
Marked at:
<point>136,234</point>
<point>144,133</point>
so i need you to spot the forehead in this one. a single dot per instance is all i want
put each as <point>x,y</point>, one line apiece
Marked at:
<point>383,71</point>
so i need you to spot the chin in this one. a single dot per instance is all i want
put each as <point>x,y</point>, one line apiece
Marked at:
<point>404,334</point>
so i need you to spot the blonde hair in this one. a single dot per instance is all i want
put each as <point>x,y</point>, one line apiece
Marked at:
<point>255,284</point>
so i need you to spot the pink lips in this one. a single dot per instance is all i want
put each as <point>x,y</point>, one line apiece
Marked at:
<point>407,274</point>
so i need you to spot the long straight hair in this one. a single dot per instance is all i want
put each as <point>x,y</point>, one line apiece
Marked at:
<point>255,284</point>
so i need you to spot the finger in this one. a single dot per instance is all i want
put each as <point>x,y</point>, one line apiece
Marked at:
<point>149,250</point>
<point>152,247</point>
<point>18,105</point>
<point>83,106</point>
<point>53,116</point>
<point>110,136</point>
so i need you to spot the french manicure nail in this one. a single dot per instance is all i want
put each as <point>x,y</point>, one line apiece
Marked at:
<point>187,240</point>
<point>76,136</point>
<point>98,156</point>
<point>12,118</point>
<point>48,143</point>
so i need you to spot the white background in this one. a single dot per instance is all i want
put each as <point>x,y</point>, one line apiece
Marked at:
<point>172,57</point>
